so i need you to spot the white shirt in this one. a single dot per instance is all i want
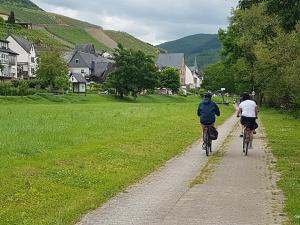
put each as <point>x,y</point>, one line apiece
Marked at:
<point>248,108</point>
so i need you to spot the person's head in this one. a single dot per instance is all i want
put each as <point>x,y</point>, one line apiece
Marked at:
<point>207,95</point>
<point>245,96</point>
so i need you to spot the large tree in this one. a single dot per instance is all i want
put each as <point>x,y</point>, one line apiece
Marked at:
<point>53,70</point>
<point>170,79</point>
<point>134,72</point>
<point>287,11</point>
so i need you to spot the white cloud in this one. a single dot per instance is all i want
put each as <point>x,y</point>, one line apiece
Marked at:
<point>153,21</point>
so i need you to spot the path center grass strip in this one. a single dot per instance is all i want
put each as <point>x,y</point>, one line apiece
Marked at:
<point>60,159</point>
<point>283,132</point>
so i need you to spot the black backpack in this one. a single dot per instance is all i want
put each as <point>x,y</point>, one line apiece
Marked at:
<point>213,133</point>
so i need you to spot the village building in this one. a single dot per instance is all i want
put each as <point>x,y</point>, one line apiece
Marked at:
<point>198,78</point>
<point>92,65</point>
<point>27,57</point>
<point>8,61</point>
<point>188,78</point>
<point>78,83</point>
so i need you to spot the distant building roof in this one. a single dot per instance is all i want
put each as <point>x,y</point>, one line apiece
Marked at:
<point>86,59</point>
<point>25,44</point>
<point>79,77</point>
<point>87,48</point>
<point>170,60</point>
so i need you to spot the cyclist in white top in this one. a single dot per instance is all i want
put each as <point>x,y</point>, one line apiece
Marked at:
<point>248,110</point>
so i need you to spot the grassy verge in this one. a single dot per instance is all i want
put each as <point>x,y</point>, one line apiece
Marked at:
<point>61,156</point>
<point>283,132</point>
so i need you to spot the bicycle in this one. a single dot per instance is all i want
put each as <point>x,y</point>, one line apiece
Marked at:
<point>206,139</point>
<point>247,139</point>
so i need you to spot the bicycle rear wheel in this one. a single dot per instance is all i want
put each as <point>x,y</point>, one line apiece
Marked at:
<point>246,148</point>
<point>207,148</point>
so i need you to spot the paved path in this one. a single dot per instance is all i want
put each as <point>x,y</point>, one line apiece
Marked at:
<point>237,193</point>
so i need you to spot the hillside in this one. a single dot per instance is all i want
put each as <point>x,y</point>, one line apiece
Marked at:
<point>129,41</point>
<point>68,31</point>
<point>20,3</point>
<point>204,47</point>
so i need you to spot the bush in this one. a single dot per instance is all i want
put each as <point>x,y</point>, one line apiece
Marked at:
<point>19,88</point>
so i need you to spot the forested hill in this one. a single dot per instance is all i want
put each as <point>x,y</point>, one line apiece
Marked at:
<point>21,3</point>
<point>205,47</point>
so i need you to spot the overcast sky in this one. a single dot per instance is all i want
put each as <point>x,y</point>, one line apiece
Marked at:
<point>153,21</point>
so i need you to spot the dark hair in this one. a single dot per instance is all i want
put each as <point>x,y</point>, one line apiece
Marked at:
<point>207,95</point>
<point>245,96</point>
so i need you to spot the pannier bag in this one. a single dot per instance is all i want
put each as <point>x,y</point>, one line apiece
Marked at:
<point>213,133</point>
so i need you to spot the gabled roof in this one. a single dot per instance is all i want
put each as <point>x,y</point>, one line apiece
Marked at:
<point>170,60</point>
<point>86,59</point>
<point>3,40</point>
<point>87,48</point>
<point>9,51</point>
<point>25,44</point>
<point>79,77</point>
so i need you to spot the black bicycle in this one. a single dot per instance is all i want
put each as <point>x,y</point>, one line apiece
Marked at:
<point>207,142</point>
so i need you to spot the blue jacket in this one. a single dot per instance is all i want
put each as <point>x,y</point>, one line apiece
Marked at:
<point>207,111</point>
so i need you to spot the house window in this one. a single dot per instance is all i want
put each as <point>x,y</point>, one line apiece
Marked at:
<point>32,59</point>
<point>76,61</point>
<point>82,71</point>
<point>32,71</point>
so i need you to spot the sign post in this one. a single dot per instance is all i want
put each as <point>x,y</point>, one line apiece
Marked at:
<point>222,91</point>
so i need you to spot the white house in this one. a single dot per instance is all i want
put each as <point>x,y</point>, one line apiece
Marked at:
<point>26,59</point>
<point>189,78</point>
<point>8,61</point>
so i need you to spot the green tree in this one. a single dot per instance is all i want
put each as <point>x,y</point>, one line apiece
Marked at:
<point>11,19</point>
<point>53,70</point>
<point>2,20</point>
<point>217,76</point>
<point>134,72</point>
<point>170,79</point>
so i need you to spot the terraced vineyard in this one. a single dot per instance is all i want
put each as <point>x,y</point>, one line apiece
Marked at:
<point>70,21</point>
<point>75,35</point>
<point>30,15</point>
<point>35,36</point>
<point>129,41</point>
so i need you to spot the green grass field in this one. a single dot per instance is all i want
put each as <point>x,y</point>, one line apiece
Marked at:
<point>61,156</point>
<point>75,36</point>
<point>283,132</point>
<point>131,42</point>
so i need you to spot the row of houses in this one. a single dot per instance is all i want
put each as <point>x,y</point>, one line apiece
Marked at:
<point>17,57</point>
<point>86,65</point>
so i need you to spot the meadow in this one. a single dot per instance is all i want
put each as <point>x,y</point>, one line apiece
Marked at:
<point>283,132</point>
<point>61,156</point>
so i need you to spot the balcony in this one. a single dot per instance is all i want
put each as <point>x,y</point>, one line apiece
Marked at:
<point>12,61</point>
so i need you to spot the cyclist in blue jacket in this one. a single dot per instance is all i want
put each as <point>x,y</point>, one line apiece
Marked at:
<point>207,111</point>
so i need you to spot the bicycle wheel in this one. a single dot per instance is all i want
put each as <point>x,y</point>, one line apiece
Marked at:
<point>244,141</point>
<point>207,149</point>
<point>246,148</point>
